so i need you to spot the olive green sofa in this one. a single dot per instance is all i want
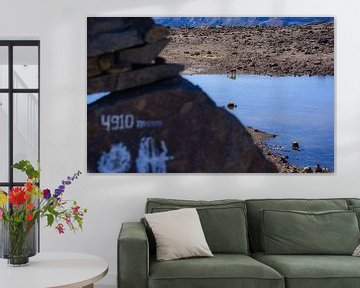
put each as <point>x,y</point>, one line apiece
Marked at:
<point>233,230</point>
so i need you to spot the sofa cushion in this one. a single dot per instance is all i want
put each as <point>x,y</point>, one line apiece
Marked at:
<point>314,271</point>
<point>178,234</point>
<point>356,209</point>
<point>297,232</point>
<point>354,205</point>
<point>224,221</point>
<point>255,206</point>
<point>353,201</point>
<point>222,270</point>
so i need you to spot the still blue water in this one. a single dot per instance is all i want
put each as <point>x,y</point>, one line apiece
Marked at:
<point>294,108</point>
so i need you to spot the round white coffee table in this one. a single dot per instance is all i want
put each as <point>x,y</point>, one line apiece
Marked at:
<point>50,270</point>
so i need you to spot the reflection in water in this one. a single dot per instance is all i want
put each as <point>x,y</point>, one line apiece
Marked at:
<point>297,109</point>
<point>232,74</point>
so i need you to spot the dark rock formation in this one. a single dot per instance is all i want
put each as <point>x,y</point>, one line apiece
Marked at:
<point>122,80</point>
<point>99,25</point>
<point>295,145</point>
<point>144,54</point>
<point>231,106</point>
<point>169,126</point>
<point>123,53</point>
<point>318,168</point>
<point>156,33</point>
<point>307,169</point>
<point>108,42</point>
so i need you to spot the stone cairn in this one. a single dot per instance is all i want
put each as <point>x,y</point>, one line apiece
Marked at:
<point>123,53</point>
<point>154,120</point>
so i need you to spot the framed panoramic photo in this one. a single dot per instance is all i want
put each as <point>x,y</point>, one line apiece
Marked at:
<point>210,95</point>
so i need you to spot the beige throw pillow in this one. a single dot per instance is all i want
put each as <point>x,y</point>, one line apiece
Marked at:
<point>357,251</point>
<point>178,234</point>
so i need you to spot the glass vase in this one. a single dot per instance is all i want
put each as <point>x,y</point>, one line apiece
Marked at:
<point>18,242</point>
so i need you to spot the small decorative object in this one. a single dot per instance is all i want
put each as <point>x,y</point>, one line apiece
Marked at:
<point>21,208</point>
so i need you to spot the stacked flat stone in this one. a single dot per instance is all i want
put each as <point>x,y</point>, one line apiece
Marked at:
<point>123,53</point>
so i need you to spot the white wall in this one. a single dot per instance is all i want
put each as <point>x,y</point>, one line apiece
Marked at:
<point>111,200</point>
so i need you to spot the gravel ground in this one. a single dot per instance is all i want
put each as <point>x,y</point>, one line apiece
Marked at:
<point>301,50</point>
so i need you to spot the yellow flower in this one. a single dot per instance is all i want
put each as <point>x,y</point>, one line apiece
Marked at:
<point>3,198</point>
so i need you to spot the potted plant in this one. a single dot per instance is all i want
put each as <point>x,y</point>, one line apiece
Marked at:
<point>21,208</point>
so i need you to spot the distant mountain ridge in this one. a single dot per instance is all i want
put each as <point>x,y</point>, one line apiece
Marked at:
<point>239,21</point>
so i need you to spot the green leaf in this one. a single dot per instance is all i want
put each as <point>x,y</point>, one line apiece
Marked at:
<point>79,221</point>
<point>52,211</point>
<point>26,167</point>
<point>50,219</point>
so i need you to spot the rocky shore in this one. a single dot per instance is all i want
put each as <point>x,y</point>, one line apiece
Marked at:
<point>276,51</point>
<point>281,161</point>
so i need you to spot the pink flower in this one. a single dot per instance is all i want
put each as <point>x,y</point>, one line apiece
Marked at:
<point>75,210</point>
<point>1,214</point>
<point>60,228</point>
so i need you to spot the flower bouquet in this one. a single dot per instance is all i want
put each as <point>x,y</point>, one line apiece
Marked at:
<point>21,208</point>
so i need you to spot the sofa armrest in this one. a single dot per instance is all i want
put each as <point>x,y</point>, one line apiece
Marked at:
<point>133,256</point>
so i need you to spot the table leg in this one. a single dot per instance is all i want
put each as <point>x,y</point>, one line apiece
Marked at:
<point>89,286</point>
